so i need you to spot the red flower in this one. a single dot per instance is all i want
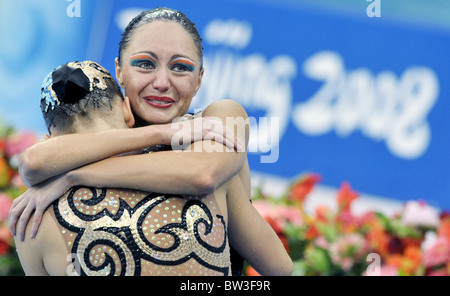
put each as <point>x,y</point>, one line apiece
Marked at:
<point>444,215</point>
<point>409,262</point>
<point>311,233</point>
<point>303,187</point>
<point>278,228</point>
<point>346,196</point>
<point>275,224</point>
<point>4,247</point>
<point>444,226</point>
<point>2,147</point>
<point>322,213</point>
<point>395,245</point>
<point>250,271</point>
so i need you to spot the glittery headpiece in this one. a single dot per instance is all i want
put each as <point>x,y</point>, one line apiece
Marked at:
<point>76,88</point>
<point>70,83</point>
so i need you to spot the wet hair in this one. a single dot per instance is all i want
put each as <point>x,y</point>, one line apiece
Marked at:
<point>77,90</point>
<point>164,14</point>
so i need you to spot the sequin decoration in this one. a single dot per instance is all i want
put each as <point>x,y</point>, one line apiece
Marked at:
<point>124,232</point>
<point>94,72</point>
<point>48,94</point>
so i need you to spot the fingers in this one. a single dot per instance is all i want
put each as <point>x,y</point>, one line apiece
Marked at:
<point>218,138</point>
<point>36,221</point>
<point>214,129</point>
<point>23,221</point>
<point>230,136</point>
<point>17,208</point>
<point>222,138</point>
<point>205,128</point>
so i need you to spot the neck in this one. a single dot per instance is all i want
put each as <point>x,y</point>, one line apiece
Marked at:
<point>140,122</point>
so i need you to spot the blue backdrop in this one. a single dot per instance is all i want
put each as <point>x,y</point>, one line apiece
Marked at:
<point>350,97</point>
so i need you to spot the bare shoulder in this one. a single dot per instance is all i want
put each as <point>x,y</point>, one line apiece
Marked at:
<point>233,115</point>
<point>32,251</point>
<point>225,108</point>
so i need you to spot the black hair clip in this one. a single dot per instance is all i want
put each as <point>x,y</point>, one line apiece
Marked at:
<point>70,84</point>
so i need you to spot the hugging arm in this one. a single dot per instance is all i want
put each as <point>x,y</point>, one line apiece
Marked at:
<point>178,172</point>
<point>201,168</point>
<point>252,237</point>
<point>61,154</point>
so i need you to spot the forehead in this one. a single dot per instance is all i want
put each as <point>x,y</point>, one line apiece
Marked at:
<point>162,37</point>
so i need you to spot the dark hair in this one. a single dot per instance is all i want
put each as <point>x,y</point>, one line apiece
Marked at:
<point>165,14</point>
<point>77,90</point>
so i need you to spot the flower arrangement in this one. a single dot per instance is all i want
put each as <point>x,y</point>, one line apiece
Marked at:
<point>12,144</point>
<point>415,241</point>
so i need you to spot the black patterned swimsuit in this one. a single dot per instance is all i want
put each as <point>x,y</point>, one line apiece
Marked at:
<point>126,232</point>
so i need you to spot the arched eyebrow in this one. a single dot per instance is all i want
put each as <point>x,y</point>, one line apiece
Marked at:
<point>144,56</point>
<point>177,58</point>
<point>180,56</point>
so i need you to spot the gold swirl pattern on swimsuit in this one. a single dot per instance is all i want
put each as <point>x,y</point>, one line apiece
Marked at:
<point>124,232</point>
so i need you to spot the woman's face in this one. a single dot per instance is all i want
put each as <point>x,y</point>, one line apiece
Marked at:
<point>160,71</point>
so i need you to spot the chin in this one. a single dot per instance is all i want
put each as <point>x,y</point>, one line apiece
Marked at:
<point>161,118</point>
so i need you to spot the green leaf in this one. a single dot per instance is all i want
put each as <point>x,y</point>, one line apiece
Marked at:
<point>318,260</point>
<point>300,268</point>
<point>329,231</point>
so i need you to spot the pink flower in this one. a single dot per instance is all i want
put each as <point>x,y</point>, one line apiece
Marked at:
<point>346,249</point>
<point>17,143</point>
<point>388,270</point>
<point>16,181</point>
<point>291,215</point>
<point>440,272</point>
<point>417,213</point>
<point>5,206</point>
<point>438,253</point>
<point>279,213</point>
<point>384,270</point>
<point>322,242</point>
<point>263,207</point>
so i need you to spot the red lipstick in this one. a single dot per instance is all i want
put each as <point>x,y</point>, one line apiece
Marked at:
<point>159,102</point>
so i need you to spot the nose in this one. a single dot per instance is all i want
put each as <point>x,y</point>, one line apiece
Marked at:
<point>161,80</point>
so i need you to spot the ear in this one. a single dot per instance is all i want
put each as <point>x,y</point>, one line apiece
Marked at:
<point>127,112</point>
<point>119,75</point>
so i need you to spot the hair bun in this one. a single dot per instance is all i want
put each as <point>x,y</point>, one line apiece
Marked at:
<point>70,84</point>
